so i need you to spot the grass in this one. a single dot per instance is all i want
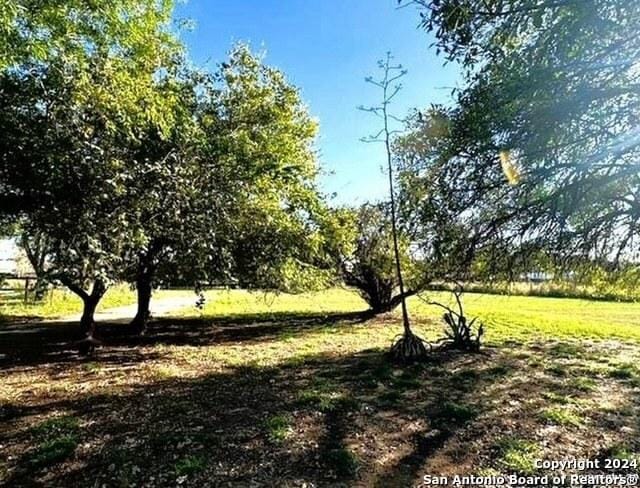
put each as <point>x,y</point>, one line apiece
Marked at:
<point>240,302</point>
<point>325,401</point>
<point>621,451</point>
<point>505,317</point>
<point>56,439</point>
<point>624,371</point>
<point>343,462</point>
<point>518,455</point>
<point>60,302</point>
<point>562,416</point>
<point>610,292</point>
<point>583,384</point>
<point>278,427</point>
<point>451,414</point>
<point>189,465</point>
<point>512,317</point>
<point>524,317</point>
<point>282,390</point>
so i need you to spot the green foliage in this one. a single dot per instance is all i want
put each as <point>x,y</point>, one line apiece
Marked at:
<point>81,85</point>
<point>557,370</point>
<point>621,451</point>
<point>57,426</point>
<point>54,450</point>
<point>111,52</point>
<point>562,416</point>
<point>518,455</point>
<point>342,461</point>
<point>583,384</point>
<point>452,414</point>
<point>624,371</point>
<point>208,178</point>
<point>189,465</point>
<point>557,398</point>
<point>326,400</point>
<point>245,209</point>
<point>57,440</point>
<point>367,262</point>
<point>278,427</point>
<point>530,138</point>
<point>450,212</point>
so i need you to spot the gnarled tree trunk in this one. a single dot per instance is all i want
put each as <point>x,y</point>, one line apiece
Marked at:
<point>90,302</point>
<point>87,323</point>
<point>36,246</point>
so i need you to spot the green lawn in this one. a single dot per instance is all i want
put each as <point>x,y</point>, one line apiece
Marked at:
<point>523,317</point>
<point>505,317</point>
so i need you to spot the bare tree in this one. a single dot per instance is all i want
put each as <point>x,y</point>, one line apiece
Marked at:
<point>409,346</point>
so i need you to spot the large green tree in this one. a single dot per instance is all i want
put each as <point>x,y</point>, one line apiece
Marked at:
<point>552,102</point>
<point>366,259</point>
<point>230,196</point>
<point>80,86</point>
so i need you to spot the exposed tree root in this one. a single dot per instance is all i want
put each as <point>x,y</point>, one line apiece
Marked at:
<point>409,348</point>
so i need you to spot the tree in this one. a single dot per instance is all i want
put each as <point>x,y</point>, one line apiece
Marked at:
<point>171,210</point>
<point>36,248</point>
<point>409,346</point>
<point>451,216</point>
<point>264,135</point>
<point>366,260</point>
<point>78,89</point>
<point>552,97</point>
<point>112,51</point>
<point>230,195</point>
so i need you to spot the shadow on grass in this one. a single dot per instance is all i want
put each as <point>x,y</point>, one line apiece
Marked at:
<point>245,327</point>
<point>324,420</point>
<point>220,427</point>
<point>53,342</point>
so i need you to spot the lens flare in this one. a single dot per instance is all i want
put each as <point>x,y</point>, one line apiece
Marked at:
<point>509,168</point>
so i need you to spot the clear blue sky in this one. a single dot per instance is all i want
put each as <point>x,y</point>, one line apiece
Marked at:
<point>326,48</point>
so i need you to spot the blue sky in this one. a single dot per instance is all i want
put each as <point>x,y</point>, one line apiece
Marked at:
<point>326,48</point>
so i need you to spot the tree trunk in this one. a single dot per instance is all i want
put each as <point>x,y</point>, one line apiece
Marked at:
<point>144,290</point>
<point>91,301</point>
<point>40,289</point>
<point>396,300</point>
<point>87,324</point>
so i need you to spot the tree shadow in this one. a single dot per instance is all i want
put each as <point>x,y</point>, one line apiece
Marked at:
<point>244,327</point>
<point>54,342</point>
<point>327,409</point>
<point>327,420</point>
